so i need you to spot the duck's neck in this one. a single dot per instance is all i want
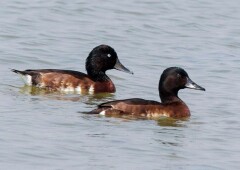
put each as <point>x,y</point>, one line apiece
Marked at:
<point>98,76</point>
<point>167,97</point>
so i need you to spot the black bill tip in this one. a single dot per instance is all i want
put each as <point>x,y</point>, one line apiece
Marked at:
<point>192,85</point>
<point>120,67</point>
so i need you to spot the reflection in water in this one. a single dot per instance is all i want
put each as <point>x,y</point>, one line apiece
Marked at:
<point>163,121</point>
<point>173,135</point>
<point>67,96</point>
<point>166,121</point>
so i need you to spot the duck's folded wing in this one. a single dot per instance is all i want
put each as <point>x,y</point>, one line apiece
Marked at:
<point>50,77</point>
<point>127,106</point>
<point>132,102</point>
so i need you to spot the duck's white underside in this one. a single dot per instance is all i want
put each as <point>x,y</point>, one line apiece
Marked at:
<point>27,79</point>
<point>103,113</point>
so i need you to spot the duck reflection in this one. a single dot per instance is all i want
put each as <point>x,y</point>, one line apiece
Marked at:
<point>67,96</point>
<point>167,121</point>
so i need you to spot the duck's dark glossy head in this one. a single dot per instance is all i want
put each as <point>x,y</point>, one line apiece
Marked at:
<point>101,59</point>
<point>172,80</point>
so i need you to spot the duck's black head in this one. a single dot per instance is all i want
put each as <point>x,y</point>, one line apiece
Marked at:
<point>172,80</point>
<point>101,59</point>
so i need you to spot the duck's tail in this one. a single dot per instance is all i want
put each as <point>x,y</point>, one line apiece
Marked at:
<point>25,75</point>
<point>96,111</point>
<point>19,72</point>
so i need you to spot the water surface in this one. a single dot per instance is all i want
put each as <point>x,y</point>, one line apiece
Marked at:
<point>49,131</point>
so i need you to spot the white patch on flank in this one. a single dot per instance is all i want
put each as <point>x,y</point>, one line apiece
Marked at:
<point>91,89</point>
<point>78,89</point>
<point>103,113</point>
<point>156,115</point>
<point>71,89</point>
<point>68,89</point>
<point>27,79</point>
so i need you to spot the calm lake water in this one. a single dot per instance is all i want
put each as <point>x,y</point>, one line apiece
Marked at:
<point>51,131</point>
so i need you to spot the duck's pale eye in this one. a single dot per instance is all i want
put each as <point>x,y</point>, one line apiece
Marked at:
<point>178,76</point>
<point>109,55</point>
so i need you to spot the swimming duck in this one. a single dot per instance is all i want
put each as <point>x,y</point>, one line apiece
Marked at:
<point>171,81</point>
<point>99,60</point>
